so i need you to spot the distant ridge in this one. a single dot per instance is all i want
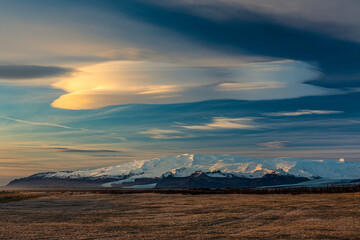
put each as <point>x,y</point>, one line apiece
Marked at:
<point>200,171</point>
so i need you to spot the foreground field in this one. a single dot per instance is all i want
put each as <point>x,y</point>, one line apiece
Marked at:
<point>166,216</point>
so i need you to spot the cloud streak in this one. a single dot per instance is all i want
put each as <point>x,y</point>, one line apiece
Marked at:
<point>302,112</point>
<point>36,123</point>
<point>222,123</point>
<point>72,150</point>
<point>274,144</point>
<point>163,134</point>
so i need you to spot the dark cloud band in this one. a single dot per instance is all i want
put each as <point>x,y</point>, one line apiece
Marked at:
<point>72,150</point>
<point>258,34</point>
<point>31,71</point>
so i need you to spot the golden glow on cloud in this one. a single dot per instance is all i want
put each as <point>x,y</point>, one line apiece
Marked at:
<point>127,82</point>
<point>250,86</point>
<point>113,83</point>
<point>226,123</point>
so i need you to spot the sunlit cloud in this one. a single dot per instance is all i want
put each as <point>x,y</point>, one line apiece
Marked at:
<point>249,86</point>
<point>303,112</point>
<point>155,131</point>
<point>163,133</point>
<point>127,82</point>
<point>274,144</point>
<point>163,136</point>
<point>226,123</point>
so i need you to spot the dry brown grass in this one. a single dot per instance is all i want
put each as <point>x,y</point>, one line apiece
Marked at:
<point>160,216</point>
<point>14,196</point>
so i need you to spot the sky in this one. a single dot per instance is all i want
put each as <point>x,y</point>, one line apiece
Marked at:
<point>91,83</point>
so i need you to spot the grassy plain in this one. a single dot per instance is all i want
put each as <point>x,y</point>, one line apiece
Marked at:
<point>175,216</point>
<point>13,196</point>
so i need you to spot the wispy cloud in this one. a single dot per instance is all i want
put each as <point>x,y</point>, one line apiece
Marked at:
<point>36,123</point>
<point>249,86</point>
<point>226,123</point>
<point>274,144</point>
<point>163,133</point>
<point>155,131</point>
<point>73,150</point>
<point>163,136</point>
<point>302,112</point>
<point>109,134</point>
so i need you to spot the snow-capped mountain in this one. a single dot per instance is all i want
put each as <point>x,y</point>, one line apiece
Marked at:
<point>157,171</point>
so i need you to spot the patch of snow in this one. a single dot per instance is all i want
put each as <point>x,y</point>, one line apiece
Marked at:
<point>216,175</point>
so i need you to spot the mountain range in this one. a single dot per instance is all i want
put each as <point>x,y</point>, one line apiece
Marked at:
<point>188,171</point>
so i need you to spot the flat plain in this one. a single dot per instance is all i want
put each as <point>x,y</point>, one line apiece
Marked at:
<point>174,216</point>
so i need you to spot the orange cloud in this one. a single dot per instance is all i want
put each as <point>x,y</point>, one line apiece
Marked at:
<point>127,82</point>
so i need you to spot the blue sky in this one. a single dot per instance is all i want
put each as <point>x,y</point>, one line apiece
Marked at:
<point>94,83</point>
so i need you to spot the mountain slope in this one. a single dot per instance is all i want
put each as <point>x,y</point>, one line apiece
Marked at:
<point>219,168</point>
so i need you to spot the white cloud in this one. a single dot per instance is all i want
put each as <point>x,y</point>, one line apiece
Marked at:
<point>155,131</point>
<point>163,133</point>
<point>217,123</point>
<point>162,136</point>
<point>274,144</point>
<point>226,123</point>
<point>302,112</point>
<point>250,86</point>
